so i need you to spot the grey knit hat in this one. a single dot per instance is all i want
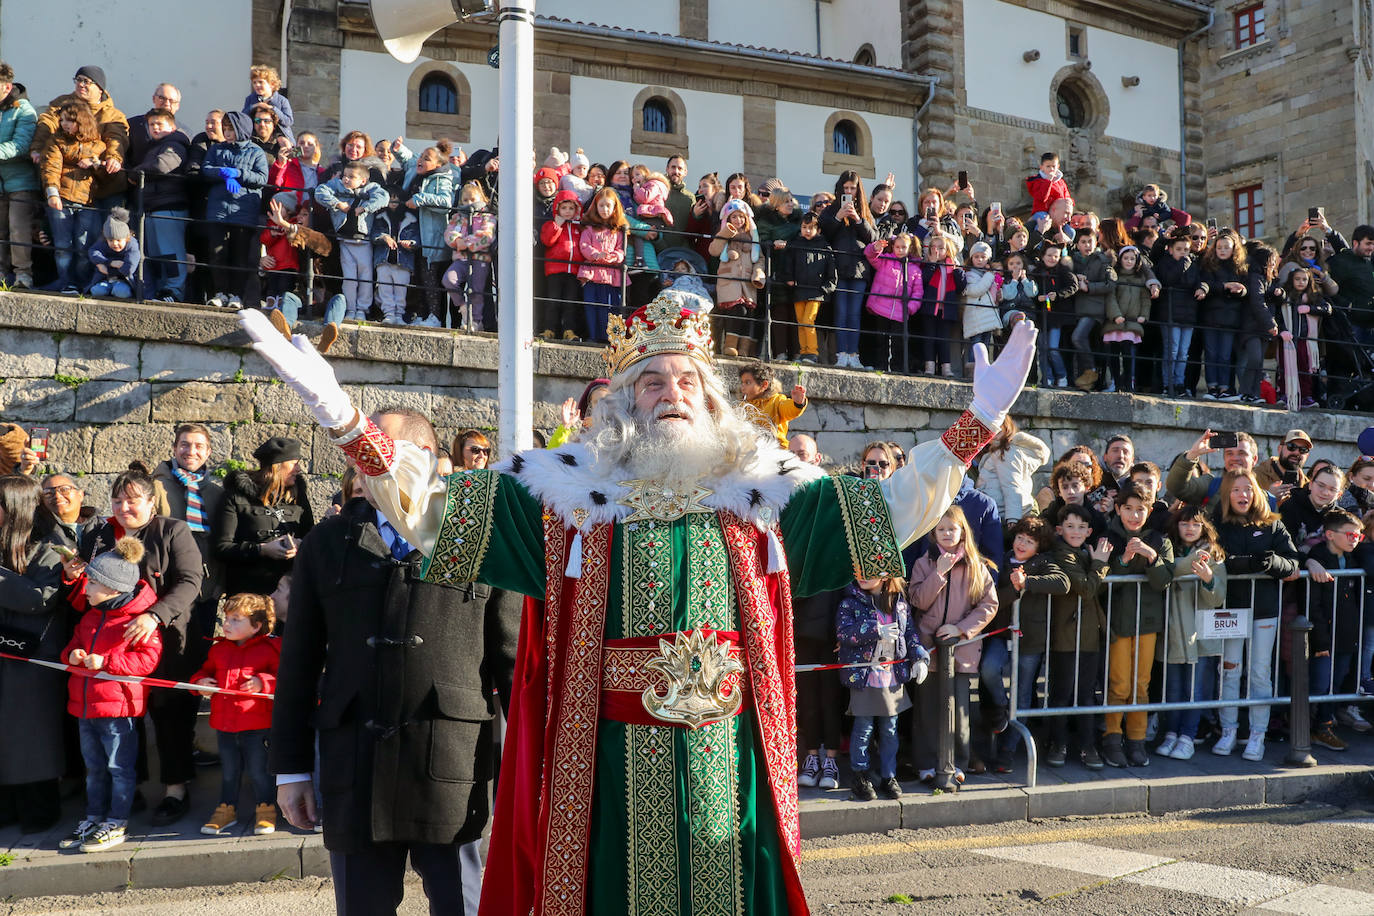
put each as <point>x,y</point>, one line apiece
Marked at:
<point>118,568</point>
<point>117,226</point>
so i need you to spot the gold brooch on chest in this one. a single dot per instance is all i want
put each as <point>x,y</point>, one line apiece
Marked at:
<point>652,500</point>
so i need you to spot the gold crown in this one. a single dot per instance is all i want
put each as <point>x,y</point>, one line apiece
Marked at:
<point>665,325</point>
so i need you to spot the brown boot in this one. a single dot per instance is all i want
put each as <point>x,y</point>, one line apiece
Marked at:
<point>327,337</point>
<point>748,347</point>
<point>730,346</point>
<point>279,322</point>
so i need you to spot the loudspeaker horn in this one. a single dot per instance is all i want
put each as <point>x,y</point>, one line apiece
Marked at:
<point>405,25</point>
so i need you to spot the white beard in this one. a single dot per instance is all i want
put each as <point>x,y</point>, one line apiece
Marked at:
<point>678,453</point>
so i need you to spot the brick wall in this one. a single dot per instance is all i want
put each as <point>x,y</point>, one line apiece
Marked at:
<point>111,381</point>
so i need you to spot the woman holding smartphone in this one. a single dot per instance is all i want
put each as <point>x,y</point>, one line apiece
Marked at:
<point>264,516</point>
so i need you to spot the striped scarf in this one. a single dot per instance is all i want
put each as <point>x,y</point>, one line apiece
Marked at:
<point>195,510</point>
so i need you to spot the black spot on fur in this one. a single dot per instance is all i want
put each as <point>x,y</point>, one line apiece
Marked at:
<point>755,497</point>
<point>517,464</point>
<point>598,498</point>
<point>784,467</point>
<point>567,459</point>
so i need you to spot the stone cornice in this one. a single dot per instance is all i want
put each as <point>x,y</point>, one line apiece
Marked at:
<point>1152,20</point>
<point>996,117</point>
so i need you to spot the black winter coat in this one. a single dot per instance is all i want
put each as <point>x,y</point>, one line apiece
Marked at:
<point>1043,579</point>
<point>849,240</point>
<point>244,524</point>
<point>211,496</point>
<point>1058,280</point>
<point>1345,593</point>
<point>404,710</point>
<point>1179,280</point>
<point>171,565</point>
<point>1265,549</point>
<point>1221,308</point>
<point>811,265</point>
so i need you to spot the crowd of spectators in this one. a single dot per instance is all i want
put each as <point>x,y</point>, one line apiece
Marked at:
<point>251,210</point>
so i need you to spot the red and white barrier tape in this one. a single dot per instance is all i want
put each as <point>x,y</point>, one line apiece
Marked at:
<point>131,679</point>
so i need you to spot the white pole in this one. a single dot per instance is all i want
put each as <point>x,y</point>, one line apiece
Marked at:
<point>515,226</point>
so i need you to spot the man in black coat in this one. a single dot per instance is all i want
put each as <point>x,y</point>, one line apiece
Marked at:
<point>404,712</point>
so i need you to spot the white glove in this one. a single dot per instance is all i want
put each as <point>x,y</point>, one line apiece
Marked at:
<point>919,669</point>
<point>996,385</point>
<point>303,370</point>
<point>889,630</point>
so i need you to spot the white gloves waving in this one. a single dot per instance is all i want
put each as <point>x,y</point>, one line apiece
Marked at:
<point>997,384</point>
<point>302,369</point>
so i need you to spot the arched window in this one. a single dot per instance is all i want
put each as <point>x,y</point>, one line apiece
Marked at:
<point>865,56</point>
<point>658,117</point>
<point>438,95</point>
<point>844,139</point>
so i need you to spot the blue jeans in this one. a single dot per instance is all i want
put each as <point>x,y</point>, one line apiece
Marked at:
<point>849,302</point>
<point>600,298</point>
<point>1054,360</point>
<point>109,747</point>
<point>1184,682</point>
<point>993,668</point>
<point>1324,678</point>
<point>1176,344</point>
<point>1219,351</point>
<point>866,730</point>
<point>164,252</point>
<point>1027,669</point>
<point>71,241</point>
<point>1082,339</point>
<point>115,286</point>
<point>240,751</point>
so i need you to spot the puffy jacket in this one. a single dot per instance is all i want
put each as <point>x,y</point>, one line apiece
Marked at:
<point>432,194</point>
<point>477,229</point>
<point>1264,549</point>
<point>982,288</point>
<point>362,202</point>
<point>1130,299</point>
<point>402,226</point>
<point>127,260</point>
<point>1221,307</point>
<point>245,524</point>
<point>810,264</point>
<point>945,599</point>
<point>603,251</point>
<point>243,207</point>
<point>562,251</point>
<point>231,665</point>
<point>896,290</point>
<point>856,630</point>
<point>1044,191</point>
<point>60,172</point>
<point>100,631</point>
<point>277,246</point>
<point>1180,280</point>
<point>1007,477</point>
<point>1043,580</point>
<point>114,136</point>
<point>1138,607</point>
<point>1077,621</point>
<point>18,121</point>
<point>1097,267</point>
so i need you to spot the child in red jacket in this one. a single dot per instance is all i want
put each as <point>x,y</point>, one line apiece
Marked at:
<point>562,255</point>
<point>245,659</point>
<point>1047,185</point>
<point>281,259</point>
<point>111,595</point>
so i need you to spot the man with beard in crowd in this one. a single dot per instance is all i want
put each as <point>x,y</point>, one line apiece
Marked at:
<point>651,757</point>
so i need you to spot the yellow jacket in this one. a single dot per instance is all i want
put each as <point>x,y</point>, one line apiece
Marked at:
<point>779,410</point>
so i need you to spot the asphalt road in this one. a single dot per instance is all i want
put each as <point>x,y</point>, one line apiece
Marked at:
<point>1307,859</point>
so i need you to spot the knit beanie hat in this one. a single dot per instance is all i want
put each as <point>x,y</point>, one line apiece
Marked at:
<point>984,247</point>
<point>770,186</point>
<point>546,172</point>
<point>580,158</point>
<point>287,200</point>
<point>13,441</point>
<point>117,226</point>
<point>118,568</point>
<point>94,74</point>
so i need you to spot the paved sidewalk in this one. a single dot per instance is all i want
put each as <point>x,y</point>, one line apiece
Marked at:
<point>179,856</point>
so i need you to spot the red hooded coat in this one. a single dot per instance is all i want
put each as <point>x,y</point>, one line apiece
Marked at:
<point>101,632</point>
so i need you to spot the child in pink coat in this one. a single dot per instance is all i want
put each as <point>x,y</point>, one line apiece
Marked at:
<point>894,295</point>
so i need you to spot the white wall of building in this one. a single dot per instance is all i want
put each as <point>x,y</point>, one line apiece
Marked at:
<point>997,79</point>
<point>602,112</point>
<point>372,97</point>
<point>801,146</point>
<point>847,25</point>
<point>651,16</point>
<point>45,41</point>
<point>787,25</point>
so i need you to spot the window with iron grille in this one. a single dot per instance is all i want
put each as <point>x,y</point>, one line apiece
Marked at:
<point>845,139</point>
<point>1249,211</point>
<point>1249,26</point>
<point>658,117</point>
<point>438,95</point>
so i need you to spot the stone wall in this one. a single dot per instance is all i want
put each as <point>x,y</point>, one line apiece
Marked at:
<point>111,381</point>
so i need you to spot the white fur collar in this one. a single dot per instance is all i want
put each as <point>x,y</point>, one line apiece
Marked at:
<point>566,480</point>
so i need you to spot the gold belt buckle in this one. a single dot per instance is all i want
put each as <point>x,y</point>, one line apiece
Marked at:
<point>696,667</point>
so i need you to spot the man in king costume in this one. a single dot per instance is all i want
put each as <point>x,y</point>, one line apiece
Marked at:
<point>650,764</point>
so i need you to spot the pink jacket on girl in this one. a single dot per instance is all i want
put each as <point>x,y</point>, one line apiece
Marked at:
<point>885,297</point>
<point>603,251</point>
<point>945,599</point>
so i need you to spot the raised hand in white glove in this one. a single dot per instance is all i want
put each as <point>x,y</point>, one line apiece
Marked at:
<point>997,384</point>
<point>303,370</point>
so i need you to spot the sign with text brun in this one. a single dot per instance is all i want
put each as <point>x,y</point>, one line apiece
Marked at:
<point>1224,623</point>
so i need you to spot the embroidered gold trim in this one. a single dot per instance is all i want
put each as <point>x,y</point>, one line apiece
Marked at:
<point>465,532</point>
<point>651,809</point>
<point>868,528</point>
<point>717,884</point>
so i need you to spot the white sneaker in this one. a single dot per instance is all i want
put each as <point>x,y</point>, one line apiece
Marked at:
<point>1166,747</point>
<point>1350,717</point>
<point>830,773</point>
<point>1226,743</point>
<point>432,322</point>
<point>1254,748</point>
<point>1183,750</point>
<point>216,301</point>
<point>393,319</point>
<point>234,303</point>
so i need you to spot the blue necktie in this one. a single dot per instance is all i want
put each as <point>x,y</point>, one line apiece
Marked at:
<point>400,549</point>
